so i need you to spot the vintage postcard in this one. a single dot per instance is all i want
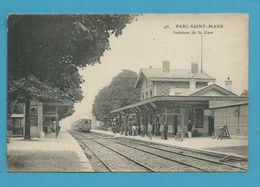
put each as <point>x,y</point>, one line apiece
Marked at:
<point>128,93</point>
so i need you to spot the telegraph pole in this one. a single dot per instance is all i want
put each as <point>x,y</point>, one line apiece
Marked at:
<point>201,54</point>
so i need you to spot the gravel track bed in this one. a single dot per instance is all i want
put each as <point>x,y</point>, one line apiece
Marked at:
<point>184,152</point>
<point>97,165</point>
<point>115,161</point>
<point>156,163</point>
<point>205,165</point>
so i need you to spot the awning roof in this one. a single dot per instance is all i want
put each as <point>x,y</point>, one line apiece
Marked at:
<point>181,98</point>
<point>230,104</point>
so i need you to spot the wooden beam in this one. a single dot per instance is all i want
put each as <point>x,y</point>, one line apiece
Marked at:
<point>147,107</point>
<point>154,105</point>
<point>136,111</point>
<point>138,108</point>
<point>132,109</point>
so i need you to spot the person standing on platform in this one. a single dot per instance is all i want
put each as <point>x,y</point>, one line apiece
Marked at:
<point>189,128</point>
<point>161,130</point>
<point>129,124</point>
<point>134,130</point>
<point>122,129</point>
<point>149,129</point>
<point>142,129</point>
<point>165,131</point>
<point>126,130</point>
<point>57,130</point>
<point>138,130</point>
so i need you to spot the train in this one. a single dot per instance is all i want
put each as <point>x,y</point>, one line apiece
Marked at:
<point>82,125</point>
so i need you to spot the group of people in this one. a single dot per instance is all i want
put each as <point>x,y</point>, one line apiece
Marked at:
<point>131,129</point>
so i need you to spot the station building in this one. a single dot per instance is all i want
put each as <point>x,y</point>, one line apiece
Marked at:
<point>174,96</point>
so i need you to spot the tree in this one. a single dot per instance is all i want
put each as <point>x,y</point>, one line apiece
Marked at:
<point>46,51</point>
<point>119,93</point>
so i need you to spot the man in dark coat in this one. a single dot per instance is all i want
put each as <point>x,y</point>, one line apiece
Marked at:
<point>165,131</point>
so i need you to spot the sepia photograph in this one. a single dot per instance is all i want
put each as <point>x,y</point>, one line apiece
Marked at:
<point>127,93</point>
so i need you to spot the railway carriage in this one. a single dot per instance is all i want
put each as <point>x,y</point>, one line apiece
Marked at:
<point>83,125</point>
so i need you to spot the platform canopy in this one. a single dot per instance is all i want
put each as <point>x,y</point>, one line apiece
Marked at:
<point>160,101</point>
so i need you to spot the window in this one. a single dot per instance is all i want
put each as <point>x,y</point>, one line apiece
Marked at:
<point>181,84</point>
<point>178,93</point>
<point>142,96</point>
<point>198,118</point>
<point>201,84</point>
<point>33,111</point>
<point>151,93</point>
<point>146,95</point>
<point>174,91</point>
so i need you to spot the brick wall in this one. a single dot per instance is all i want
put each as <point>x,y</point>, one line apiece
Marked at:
<point>164,88</point>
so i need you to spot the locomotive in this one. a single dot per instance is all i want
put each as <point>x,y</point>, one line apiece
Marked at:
<point>82,125</point>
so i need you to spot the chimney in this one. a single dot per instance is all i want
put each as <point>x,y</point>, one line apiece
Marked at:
<point>194,67</point>
<point>150,67</point>
<point>166,66</point>
<point>228,84</point>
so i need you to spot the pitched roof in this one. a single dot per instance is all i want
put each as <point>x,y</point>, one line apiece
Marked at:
<point>159,75</point>
<point>213,87</point>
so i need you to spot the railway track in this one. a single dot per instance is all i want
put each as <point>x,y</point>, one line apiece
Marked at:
<point>153,158</point>
<point>222,159</point>
<point>108,155</point>
<point>151,162</point>
<point>206,163</point>
<point>234,162</point>
<point>84,147</point>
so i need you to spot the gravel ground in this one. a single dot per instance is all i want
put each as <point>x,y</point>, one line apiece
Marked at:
<point>115,161</point>
<point>205,165</point>
<point>43,161</point>
<point>156,163</point>
<point>185,162</point>
<point>213,167</point>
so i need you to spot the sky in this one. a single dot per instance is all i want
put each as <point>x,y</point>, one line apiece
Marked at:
<point>153,38</point>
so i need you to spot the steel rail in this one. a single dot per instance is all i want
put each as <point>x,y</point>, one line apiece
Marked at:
<point>166,158</point>
<point>182,154</point>
<point>94,153</point>
<point>136,162</point>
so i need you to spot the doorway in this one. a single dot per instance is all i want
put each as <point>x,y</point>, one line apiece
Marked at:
<point>211,125</point>
<point>172,122</point>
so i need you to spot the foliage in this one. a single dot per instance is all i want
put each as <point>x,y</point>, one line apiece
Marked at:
<point>51,48</point>
<point>46,51</point>
<point>15,108</point>
<point>119,93</point>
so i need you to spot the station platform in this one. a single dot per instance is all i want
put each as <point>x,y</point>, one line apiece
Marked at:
<point>62,154</point>
<point>235,146</point>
